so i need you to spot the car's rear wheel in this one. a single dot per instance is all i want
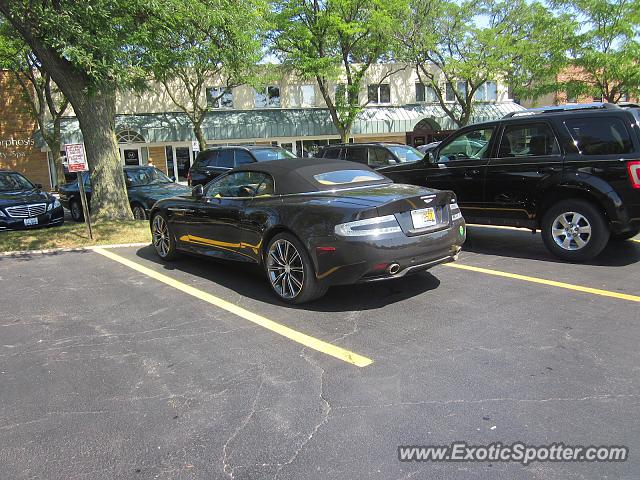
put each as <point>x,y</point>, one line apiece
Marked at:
<point>290,270</point>
<point>620,237</point>
<point>163,239</point>
<point>76,211</point>
<point>575,230</point>
<point>138,212</point>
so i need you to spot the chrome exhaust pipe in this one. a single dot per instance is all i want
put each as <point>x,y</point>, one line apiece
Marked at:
<point>393,268</point>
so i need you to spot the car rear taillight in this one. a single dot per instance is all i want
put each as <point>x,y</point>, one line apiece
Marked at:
<point>189,178</point>
<point>370,226</point>
<point>634,173</point>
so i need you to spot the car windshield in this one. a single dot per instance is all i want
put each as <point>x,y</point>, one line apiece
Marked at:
<point>406,154</point>
<point>146,176</point>
<point>10,182</point>
<point>344,177</point>
<point>263,154</point>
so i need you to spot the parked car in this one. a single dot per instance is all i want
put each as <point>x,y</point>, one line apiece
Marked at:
<point>145,186</point>
<point>312,223</point>
<point>25,205</point>
<point>572,172</point>
<point>378,155</point>
<point>215,161</point>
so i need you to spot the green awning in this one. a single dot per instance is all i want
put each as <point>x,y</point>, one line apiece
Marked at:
<point>232,125</point>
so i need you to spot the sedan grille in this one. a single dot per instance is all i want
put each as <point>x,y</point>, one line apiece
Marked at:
<point>26,211</point>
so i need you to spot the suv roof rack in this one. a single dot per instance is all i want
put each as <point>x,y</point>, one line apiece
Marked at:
<point>562,108</point>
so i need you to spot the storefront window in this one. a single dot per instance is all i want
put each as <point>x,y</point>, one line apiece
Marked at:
<point>183,159</point>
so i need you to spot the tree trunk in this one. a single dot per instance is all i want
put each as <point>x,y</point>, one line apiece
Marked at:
<point>197,130</point>
<point>344,135</point>
<point>96,115</point>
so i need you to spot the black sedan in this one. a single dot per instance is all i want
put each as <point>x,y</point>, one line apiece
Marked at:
<point>145,186</point>
<point>24,204</point>
<point>312,223</point>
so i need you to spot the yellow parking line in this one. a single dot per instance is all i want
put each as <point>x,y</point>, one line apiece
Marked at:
<point>306,340</point>
<point>635,240</point>
<point>552,283</point>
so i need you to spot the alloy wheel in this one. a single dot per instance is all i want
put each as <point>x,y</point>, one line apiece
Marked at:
<point>76,211</point>
<point>571,231</point>
<point>285,269</point>
<point>138,213</point>
<point>161,236</point>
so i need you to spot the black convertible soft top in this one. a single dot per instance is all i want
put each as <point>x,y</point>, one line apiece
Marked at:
<point>296,175</point>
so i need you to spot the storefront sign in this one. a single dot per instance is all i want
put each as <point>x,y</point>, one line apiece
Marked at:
<point>76,160</point>
<point>9,147</point>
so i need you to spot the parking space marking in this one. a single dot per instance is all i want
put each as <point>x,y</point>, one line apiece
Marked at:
<point>552,283</point>
<point>635,240</point>
<point>291,334</point>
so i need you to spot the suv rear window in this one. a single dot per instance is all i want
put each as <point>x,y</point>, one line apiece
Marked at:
<point>331,152</point>
<point>206,158</point>
<point>600,136</point>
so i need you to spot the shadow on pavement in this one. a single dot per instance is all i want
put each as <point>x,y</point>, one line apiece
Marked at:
<point>249,280</point>
<point>523,244</point>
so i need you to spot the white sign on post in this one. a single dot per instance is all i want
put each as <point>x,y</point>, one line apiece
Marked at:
<point>76,160</point>
<point>195,146</point>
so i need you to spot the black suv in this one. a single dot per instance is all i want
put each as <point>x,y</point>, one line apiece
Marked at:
<point>218,160</point>
<point>573,172</point>
<point>377,154</point>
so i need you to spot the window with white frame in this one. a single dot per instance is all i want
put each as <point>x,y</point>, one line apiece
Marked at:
<point>425,93</point>
<point>487,92</point>
<point>379,93</point>
<point>460,86</point>
<point>302,96</point>
<point>268,98</point>
<point>219,97</point>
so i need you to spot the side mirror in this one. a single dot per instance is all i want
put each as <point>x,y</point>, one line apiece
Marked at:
<point>430,157</point>
<point>197,192</point>
<point>39,186</point>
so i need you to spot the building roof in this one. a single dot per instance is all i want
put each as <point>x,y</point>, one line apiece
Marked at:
<point>227,125</point>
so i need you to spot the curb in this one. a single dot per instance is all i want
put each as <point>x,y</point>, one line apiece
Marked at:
<point>21,253</point>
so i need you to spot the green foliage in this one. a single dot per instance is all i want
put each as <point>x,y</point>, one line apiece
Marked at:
<point>335,42</point>
<point>462,45</point>
<point>606,47</point>
<point>218,41</point>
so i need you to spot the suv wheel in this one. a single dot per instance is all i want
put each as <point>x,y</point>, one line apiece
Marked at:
<point>290,271</point>
<point>138,212</point>
<point>575,230</point>
<point>76,211</point>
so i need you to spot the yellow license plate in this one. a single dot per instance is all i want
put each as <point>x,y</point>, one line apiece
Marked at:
<point>425,217</point>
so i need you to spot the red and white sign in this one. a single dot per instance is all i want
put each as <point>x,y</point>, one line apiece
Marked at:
<point>76,161</point>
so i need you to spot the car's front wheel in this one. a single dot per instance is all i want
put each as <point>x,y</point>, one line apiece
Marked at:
<point>290,270</point>
<point>575,230</point>
<point>138,212</point>
<point>163,239</point>
<point>76,211</point>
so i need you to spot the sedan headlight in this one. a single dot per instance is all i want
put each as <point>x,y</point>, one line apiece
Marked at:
<point>370,226</point>
<point>56,204</point>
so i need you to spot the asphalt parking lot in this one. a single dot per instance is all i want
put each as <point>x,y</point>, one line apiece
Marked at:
<point>108,371</point>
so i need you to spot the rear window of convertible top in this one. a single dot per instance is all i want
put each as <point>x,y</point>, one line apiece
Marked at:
<point>345,177</point>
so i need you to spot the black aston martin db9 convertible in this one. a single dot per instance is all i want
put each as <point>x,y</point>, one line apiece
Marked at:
<point>312,223</point>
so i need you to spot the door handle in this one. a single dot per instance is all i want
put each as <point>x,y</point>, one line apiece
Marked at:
<point>473,172</point>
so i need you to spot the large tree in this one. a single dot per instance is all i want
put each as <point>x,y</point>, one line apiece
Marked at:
<point>91,49</point>
<point>220,45</point>
<point>335,42</point>
<point>46,101</point>
<point>606,50</point>
<point>457,47</point>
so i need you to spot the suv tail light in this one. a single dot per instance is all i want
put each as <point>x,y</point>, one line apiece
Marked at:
<point>189,177</point>
<point>634,173</point>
